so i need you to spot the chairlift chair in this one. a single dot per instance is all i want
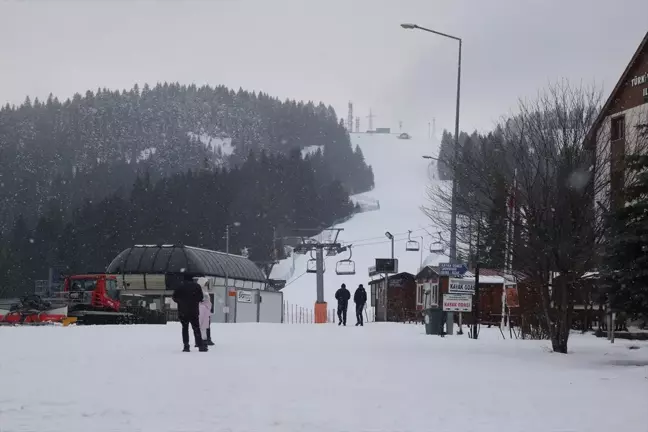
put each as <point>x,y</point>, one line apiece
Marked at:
<point>346,266</point>
<point>411,245</point>
<point>437,246</point>
<point>311,264</point>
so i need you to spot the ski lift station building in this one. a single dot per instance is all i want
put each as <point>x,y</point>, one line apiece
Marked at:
<point>238,288</point>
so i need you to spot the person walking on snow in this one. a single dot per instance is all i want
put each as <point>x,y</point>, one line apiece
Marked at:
<point>360,300</point>
<point>188,297</point>
<point>342,296</point>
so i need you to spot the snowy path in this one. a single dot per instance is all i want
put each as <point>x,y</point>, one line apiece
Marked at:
<point>260,377</point>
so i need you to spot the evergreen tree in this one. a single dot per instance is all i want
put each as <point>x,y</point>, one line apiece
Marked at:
<point>626,269</point>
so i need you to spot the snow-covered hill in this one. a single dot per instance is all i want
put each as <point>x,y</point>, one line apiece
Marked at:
<point>402,177</point>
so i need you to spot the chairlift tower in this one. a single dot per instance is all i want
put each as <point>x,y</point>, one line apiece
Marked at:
<point>316,263</point>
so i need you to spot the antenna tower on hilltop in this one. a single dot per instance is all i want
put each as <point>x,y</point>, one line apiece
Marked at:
<point>357,124</point>
<point>350,118</point>
<point>370,117</point>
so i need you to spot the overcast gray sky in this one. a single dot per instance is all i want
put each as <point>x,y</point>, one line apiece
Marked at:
<point>329,50</point>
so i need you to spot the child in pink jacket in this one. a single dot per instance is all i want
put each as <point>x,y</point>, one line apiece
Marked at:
<point>204,317</point>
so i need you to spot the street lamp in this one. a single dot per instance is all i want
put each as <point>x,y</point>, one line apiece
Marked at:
<point>390,237</point>
<point>453,218</point>
<point>227,239</point>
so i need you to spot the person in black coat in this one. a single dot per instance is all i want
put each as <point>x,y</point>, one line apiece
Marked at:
<point>188,296</point>
<point>360,300</point>
<point>342,296</point>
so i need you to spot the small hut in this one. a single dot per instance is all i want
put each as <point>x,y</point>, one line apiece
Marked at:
<point>397,302</point>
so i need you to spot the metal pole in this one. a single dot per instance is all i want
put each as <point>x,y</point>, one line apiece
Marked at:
<point>453,219</point>
<point>386,295</point>
<point>421,261</point>
<point>476,300</point>
<point>392,247</point>
<point>319,256</point>
<point>227,296</point>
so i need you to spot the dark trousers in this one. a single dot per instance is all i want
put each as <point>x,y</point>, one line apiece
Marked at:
<point>193,320</point>
<point>342,314</point>
<point>359,309</point>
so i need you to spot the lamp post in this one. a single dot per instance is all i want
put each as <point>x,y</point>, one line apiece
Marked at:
<point>453,218</point>
<point>385,297</point>
<point>227,240</point>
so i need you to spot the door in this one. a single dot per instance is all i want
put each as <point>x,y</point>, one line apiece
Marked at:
<point>271,307</point>
<point>247,305</point>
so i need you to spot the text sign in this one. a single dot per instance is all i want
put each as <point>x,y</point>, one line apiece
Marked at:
<point>447,269</point>
<point>244,296</point>
<point>461,286</point>
<point>457,303</point>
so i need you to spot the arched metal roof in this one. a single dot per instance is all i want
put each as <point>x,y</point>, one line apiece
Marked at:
<point>156,259</point>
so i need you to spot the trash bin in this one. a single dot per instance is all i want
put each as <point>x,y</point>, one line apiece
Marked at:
<point>433,321</point>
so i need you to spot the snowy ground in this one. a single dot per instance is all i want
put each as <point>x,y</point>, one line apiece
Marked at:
<point>264,377</point>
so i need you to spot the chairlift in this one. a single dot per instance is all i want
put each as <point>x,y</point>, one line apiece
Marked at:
<point>411,245</point>
<point>346,266</point>
<point>311,264</point>
<point>437,246</point>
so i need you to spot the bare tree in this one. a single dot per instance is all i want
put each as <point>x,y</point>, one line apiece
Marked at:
<point>560,170</point>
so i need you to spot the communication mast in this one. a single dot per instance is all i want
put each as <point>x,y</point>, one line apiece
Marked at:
<point>350,118</point>
<point>357,124</point>
<point>370,117</point>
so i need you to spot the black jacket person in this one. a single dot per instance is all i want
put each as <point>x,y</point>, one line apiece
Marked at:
<point>360,300</point>
<point>342,296</point>
<point>188,297</point>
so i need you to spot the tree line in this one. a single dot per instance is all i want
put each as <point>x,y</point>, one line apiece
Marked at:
<point>268,194</point>
<point>536,187</point>
<point>89,146</point>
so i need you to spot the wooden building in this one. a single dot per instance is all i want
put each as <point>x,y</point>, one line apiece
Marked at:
<point>397,302</point>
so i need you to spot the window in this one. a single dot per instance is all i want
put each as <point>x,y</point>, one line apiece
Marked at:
<point>433,296</point>
<point>617,131</point>
<point>419,294</point>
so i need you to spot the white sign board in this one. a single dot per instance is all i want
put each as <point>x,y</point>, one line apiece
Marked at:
<point>244,296</point>
<point>462,286</point>
<point>457,303</point>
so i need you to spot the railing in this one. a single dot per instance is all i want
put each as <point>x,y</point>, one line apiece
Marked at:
<point>295,314</point>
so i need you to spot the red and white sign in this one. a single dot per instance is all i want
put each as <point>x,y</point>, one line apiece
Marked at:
<point>457,303</point>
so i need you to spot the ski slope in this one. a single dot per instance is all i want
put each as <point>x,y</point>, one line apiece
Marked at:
<point>315,378</point>
<point>401,178</point>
